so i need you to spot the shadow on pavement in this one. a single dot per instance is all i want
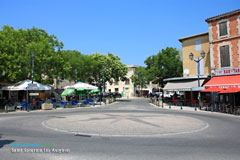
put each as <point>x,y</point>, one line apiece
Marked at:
<point>5,142</point>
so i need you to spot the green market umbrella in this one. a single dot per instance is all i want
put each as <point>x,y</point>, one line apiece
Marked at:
<point>68,92</point>
<point>80,89</point>
<point>94,91</point>
<point>81,92</point>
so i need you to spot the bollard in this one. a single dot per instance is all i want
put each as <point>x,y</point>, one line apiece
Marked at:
<point>195,107</point>
<point>169,105</point>
<point>162,103</point>
<point>6,109</point>
<point>181,106</point>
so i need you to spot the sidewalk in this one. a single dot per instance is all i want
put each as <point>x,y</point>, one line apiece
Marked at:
<point>174,107</point>
<point>189,109</point>
<point>58,108</point>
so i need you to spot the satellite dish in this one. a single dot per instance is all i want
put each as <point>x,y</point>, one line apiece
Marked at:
<point>186,71</point>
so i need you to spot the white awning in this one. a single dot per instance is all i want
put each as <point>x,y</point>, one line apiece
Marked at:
<point>183,85</point>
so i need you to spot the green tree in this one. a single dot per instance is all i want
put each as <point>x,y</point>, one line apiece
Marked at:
<point>140,78</point>
<point>164,65</point>
<point>16,47</point>
<point>108,68</point>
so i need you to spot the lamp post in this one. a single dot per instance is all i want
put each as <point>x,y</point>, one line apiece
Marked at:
<point>103,81</point>
<point>32,82</point>
<point>191,57</point>
<point>32,66</point>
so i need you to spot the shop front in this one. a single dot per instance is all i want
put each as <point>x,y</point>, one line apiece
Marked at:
<point>224,93</point>
<point>185,90</point>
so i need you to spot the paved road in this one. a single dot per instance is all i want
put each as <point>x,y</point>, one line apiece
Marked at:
<point>145,132</point>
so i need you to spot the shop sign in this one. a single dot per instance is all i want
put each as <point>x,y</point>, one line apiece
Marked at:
<point>33,94</point>
<point>230,71</point>
<point>224,86</point>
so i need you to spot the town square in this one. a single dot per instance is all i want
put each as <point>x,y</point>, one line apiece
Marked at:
<point>120,80</point>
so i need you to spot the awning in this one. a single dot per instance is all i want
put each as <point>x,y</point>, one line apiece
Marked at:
<point>224,81</point>
<point>231,90</point>
<point>183,85</point>
<point>212,89</point>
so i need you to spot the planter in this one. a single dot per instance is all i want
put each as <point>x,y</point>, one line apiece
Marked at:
<point>47,106</point>
<point>9,108</point>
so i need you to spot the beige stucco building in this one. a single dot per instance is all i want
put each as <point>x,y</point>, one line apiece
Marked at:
<point>195,44</point>
<point>126,88</point>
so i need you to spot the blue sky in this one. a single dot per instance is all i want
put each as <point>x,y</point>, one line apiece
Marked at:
<point>131,29</point>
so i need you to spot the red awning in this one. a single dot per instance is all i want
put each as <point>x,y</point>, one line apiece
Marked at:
<point>224,81</point>
<point>212,89</point>
<point>231,90</point>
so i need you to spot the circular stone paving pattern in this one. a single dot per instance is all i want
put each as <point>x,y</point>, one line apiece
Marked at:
<point>126,124</point>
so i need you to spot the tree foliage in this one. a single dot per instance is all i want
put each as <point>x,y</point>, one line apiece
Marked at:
<point>50,61</point>
<point>164,65</point>
<point>16,47</point>
<point>107,68</point>
<point>140,77</point>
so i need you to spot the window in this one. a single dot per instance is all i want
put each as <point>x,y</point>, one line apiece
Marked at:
<point>127,82</point>
<point>223,28</point>
<point>116,89</point>
<point>198,46</point>
<point>224,56</point>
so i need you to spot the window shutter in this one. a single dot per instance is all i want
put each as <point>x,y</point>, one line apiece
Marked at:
<point>224,56</point>
<point>223,28</point>
<point>227,56</point>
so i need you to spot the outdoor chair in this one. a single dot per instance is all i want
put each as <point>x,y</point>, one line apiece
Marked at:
<point>74,102</point>
<point>175,102</point>
<point>18,106</point>
<point>63,104</point>
<point>24,105</point>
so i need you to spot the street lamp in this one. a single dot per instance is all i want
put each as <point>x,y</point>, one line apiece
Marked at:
<point>32,66</point>
<point>191,57</point>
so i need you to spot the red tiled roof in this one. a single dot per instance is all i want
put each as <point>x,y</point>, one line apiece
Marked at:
<point>222,15</point>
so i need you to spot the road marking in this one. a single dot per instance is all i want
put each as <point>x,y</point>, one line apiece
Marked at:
<point>206,125</point>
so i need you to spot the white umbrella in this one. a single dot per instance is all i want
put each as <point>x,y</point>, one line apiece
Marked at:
<point>83,86</point>
<point>22,85</point>
<point>66,87</point>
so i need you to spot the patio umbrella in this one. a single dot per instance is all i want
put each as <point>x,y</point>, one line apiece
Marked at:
<point>81,92</point>
<point>81,85</point>
<point>22,85</point>
<point>94,91</point>
<point>80,89</point>
<point>68,92</point>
